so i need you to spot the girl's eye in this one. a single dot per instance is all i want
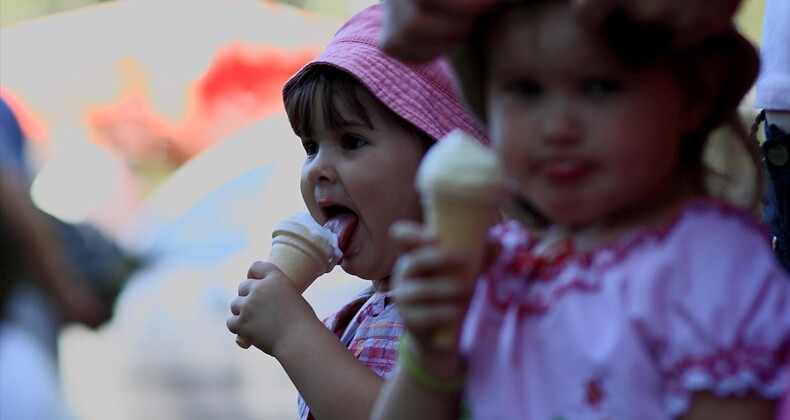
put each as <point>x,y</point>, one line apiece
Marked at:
<point>310,147</point>
<point>601,87</point>
<point>352,142</point>
<point>523,88</point>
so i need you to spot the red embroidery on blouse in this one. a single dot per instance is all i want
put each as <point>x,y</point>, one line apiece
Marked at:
<point>541,287</point>
<point>729,363</point>
<point>594,393</point>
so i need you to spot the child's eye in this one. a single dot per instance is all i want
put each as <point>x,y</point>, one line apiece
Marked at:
<point>352,142</point>
<point>523,88</point>
<point>601,87</point>
<point>310,147</point>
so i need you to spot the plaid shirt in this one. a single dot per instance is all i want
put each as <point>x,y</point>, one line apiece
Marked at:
<point>372,336</point>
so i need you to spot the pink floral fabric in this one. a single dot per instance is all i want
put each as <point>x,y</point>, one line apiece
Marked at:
<point>632,329</point>
<point>370,326</point>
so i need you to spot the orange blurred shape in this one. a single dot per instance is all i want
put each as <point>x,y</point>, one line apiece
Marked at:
<point>242,85</point>
<point>32,125</point>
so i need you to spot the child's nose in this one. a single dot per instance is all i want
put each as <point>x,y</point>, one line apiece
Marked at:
<point>321,169</point>
<point>560,123</point>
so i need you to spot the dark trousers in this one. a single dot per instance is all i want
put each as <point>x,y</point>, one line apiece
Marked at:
<point>776,210</point>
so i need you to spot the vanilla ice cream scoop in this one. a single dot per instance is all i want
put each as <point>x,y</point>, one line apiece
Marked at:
<point>459,165</point>
<point>462,187</point>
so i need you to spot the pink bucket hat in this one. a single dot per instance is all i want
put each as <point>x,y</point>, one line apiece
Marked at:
<point>423,95</point>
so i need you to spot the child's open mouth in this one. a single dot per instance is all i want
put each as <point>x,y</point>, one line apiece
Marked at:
<point>341,221</point>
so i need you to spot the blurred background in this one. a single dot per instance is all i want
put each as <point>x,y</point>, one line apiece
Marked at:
<point>159,124</point>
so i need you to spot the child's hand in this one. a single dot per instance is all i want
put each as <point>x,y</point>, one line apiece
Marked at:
<point>429,295</point>
<point>269,310</point>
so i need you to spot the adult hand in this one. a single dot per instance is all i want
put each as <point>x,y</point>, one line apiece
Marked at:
<point>420,30</point>
<point>692,20</point>
<point>417,31</point>
<point>79,304</point>
<point>269,309</point>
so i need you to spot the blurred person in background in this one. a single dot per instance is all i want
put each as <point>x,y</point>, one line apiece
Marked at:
<point>51,273</point>
<point>773,97</point>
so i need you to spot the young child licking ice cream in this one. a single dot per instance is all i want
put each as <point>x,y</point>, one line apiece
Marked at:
<point>365,121</point>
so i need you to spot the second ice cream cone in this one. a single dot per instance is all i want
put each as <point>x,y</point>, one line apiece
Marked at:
<point>462,189</point>
<point>460,224</point>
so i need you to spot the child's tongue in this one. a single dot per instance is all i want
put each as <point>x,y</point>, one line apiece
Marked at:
<point>343,225</point>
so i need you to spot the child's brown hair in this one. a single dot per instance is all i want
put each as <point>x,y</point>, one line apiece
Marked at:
<point>332,84</point>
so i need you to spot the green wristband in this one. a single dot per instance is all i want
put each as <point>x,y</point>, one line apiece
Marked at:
<point>423,378</point>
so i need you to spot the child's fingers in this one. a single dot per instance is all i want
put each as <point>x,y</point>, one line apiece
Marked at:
<point>429,291</point>
<point>233,326</point>
<point>260,269</point>
<point>236,305</point>
<point>233,320</point>
<point>245,287</point>
<point>425,322</point>
<point>428,262</point>
<point>408,235</point>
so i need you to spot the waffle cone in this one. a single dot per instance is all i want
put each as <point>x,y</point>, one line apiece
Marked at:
<point>460,222</point>
<point>298,259</point>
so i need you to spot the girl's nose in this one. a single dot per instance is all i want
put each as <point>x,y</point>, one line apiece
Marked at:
<point>320,169</point>
<point>560,125</point>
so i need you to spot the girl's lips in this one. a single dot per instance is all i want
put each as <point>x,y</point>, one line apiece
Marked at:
<point>564,170</point>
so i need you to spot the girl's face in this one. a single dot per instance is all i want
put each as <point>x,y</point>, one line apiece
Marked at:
<point>584,137</point>
<point>364,176</point>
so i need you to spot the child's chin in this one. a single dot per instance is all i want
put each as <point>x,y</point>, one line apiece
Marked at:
<point>352,266</point>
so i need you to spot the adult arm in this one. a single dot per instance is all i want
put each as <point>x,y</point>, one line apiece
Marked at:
<point>43,253</point>
<point>706,406</point>
<point>692,20</point>
<point>419,30</point>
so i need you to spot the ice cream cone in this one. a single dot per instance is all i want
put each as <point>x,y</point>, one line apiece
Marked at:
<point>461,224</point>
<point>299,259</point>
<point>303,250</point>
<point>459,221</point>
<point>462,189</point>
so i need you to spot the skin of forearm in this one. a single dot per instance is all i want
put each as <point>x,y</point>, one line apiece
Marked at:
<point>32,232</point>
<point>706,406</point>
<point>422,403</point>
<point>334,383</point>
